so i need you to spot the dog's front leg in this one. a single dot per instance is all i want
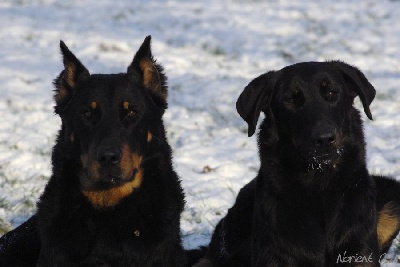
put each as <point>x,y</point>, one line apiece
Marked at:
<point>351,226</point>
<point>93,262</point>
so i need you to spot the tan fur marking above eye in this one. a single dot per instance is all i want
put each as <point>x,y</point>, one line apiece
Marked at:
<point>93,105</point>
<point>125,105</point>
<point>388,224</point>
<point>149,136</point>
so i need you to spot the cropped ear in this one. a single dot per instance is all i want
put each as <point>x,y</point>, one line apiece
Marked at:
<point>148,72</point>
<point>65,83</point>
<point>359,85</point>
<point>255,98</point>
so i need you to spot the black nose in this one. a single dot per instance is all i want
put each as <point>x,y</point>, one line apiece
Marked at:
<point>108,155</point>
<point>324,136</point>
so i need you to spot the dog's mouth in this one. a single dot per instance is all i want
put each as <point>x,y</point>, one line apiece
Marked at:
<point>108,190</point>
<point>322,160</point>
<point>106,179</point>
<point>96,175</point>
<point>109,180</point>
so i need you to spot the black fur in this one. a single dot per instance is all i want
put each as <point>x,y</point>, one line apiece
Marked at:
<point>112,136</point>
<point>21,246</point>
<point>313,200</point>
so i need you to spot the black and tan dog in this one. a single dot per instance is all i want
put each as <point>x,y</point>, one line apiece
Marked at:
<point>313,202</point>
<point>114,198</point>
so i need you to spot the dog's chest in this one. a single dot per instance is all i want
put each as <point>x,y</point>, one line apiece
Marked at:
<point>127,238</point>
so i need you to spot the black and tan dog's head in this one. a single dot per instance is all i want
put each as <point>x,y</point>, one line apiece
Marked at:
<point>309,110</point>
<point>108,119</point>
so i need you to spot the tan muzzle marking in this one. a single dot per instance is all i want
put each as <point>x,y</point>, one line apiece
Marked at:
<point>130,165</point>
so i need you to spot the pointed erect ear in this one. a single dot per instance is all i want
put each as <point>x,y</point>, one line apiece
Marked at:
<point>147,71</point>
<point>255,98</point>
<point>358,84</point>
<point>65,83</point>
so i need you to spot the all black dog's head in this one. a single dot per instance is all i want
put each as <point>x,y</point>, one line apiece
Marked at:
<point>109,120</point>
<point>310,118</point>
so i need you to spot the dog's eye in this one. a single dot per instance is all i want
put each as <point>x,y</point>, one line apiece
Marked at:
<point>292,97</point>
<point>289,100</point>
<point>87,113</point>
<point>129,115</point>
<point>331,95</point>
<point>294,100</point>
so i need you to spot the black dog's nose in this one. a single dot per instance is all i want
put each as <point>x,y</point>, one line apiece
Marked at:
<point>324,136</point>
<point>109,155</point>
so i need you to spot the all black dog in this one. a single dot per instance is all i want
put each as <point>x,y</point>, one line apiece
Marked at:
<point>313,202</point>
<point>114,198</point>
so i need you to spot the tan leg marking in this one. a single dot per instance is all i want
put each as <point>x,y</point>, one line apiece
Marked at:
<point>388,224</point>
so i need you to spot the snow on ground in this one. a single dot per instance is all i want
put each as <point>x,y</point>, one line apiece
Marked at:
<point>211,50</point>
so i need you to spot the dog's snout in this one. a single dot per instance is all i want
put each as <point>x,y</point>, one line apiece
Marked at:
<point>106,155</point>
<point>324,136</point>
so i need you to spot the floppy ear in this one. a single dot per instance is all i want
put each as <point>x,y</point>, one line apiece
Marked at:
<point>65,83</point>
<point>148,72</point>
<point>255,98</point>
<point>359,84</point>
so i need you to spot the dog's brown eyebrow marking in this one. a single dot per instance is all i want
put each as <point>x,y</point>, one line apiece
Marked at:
<point>149,136</point>
<point>93,105</point>
<point>125,105</point>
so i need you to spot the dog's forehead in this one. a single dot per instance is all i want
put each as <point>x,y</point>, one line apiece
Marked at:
<point>308,73</point>
<point>108,88</point>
